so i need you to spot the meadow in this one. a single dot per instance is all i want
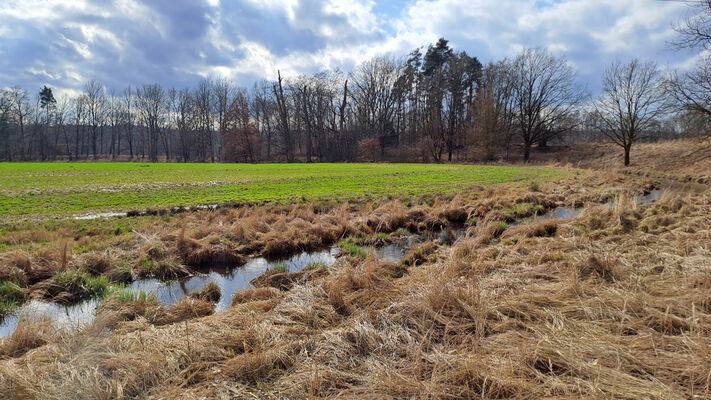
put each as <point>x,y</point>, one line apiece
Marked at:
<point>49,190</point>
<point>609,302</point>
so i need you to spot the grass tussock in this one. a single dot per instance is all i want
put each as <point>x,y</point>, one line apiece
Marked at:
<point>547,228</point>
<point>71,286</point>
<point>183,310</point>
<point>210,293</point>
<point>256,294</point>
<point>29,334</point>
<point>282,280</point>
<point>420,254</point>
<point>126,305</point>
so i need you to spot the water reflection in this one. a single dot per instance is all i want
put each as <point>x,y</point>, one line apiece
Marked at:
<point>232,281</point>
<point>229,281</point>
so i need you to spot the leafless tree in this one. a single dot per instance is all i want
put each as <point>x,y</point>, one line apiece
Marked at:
<point>631,103</point>
<point>284,121</point>
<point>21,109</point>
<point>374,98</point>
<point>695,29</point>
<point>62,114</point>
<point>692,90</point>
<point>203,99</point>
<point>224,91</point>
<point>182,110</point>
<point>5,124</point>
<point>264,112</point>
<point>127,112</point>
<point>544,94</point>
<point>150,103</point>
<point>95,104</point>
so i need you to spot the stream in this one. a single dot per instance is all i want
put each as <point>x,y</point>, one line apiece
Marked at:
<point>234,280</point>
<point>230,282</point>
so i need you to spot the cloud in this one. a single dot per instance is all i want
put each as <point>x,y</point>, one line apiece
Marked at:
<point>176,42</point>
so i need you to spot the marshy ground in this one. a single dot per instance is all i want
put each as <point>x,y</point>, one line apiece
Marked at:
<point>613,302</point>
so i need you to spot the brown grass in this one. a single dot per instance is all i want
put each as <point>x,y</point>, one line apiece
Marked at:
<point>29,334</point>
<point>286,280</point>
<point>612,304</point>
<point>256,294</point>
<point>210,293</point>
<point>545,228</point>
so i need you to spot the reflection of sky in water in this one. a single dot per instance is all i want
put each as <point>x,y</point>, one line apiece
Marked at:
<point>232,281</point>
<point>229,282</point>
<point>64,316</point>
<point>168,293</point>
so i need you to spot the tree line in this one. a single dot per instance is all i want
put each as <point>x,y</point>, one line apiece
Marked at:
<point>436,104</point>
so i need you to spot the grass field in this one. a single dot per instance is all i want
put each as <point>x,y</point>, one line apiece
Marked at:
<point>41,190</point>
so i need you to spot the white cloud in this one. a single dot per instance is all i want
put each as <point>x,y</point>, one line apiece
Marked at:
<point>125,42</point>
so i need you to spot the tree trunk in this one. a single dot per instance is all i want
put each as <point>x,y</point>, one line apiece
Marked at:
<point>627,155</point>
<point>526,151</point>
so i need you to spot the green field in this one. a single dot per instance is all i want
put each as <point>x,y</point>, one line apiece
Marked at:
<point>42,190</point>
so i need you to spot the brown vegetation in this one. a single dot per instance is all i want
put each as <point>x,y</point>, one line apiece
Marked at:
<point>611,304</point>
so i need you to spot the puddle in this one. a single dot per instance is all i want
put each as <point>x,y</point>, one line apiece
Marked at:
<point>654,195</point>
<point>100,215</point>
<point>230,282</point>
<point>566,213</point>
<point>561,213</point>
<point>64,316</point>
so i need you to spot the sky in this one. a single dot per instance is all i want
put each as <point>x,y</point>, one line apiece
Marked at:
<point>175,43</point>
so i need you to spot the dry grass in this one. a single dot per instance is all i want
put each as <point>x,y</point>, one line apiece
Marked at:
<point>612,304</point>
<point>210,293</point>
<point>29,334</point>
<point>286,280</point>
<point>684,159</point>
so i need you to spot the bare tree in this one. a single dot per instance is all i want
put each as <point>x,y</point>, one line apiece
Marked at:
<point>204,119</point>
<point>5,119</point>
<point>545,96</point>
<point>264,114</point>
<point>224,91</point>
<point>632,102</point>
<point>182,109</point>
<point>21,109</point>
<point>283,121</point>
<point>374,98</point>
<point>127,111</point>
<point>64,105</point>
<point>692,90</point>
<point>150,102</point>
<point>95,103</point>
<point>695,29</point>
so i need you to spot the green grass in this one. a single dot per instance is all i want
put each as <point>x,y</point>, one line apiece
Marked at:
<point>10,296</point>
<point>126,295</point>
<point>83,284</point>
<point>352,249</point>
<point>279,268</point>
<point>42,190</point>
<point>314,265</point>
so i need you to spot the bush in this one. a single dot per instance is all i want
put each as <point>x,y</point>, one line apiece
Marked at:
<point>370,149</point>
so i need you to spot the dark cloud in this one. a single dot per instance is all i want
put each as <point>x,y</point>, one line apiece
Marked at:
<point>176,42</point>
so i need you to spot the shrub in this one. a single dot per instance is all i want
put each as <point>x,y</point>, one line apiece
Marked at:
<point>369,149</point>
